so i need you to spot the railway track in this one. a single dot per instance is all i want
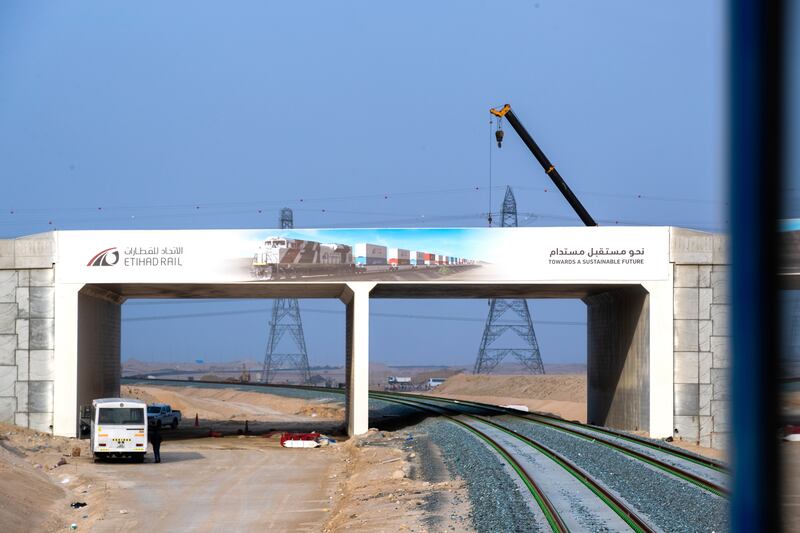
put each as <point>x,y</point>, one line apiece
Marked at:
<point>704,473</point>
<point>561,516</point>
<point>562,491</point>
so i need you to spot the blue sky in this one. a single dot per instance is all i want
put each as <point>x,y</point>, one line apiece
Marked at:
<point>209,115</point>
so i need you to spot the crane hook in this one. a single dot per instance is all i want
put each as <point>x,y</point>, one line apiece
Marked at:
<point>498,135</point>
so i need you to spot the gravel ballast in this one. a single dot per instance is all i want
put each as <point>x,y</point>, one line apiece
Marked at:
<point>497,502</point>
<point>668,503</point>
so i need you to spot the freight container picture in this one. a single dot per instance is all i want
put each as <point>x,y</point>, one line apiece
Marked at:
<point>398,257</point>
<point>370,258</point>
<point>284,258</point>
<point>369,254</point>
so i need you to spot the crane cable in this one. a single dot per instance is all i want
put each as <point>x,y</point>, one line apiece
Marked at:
<point>491,123</point>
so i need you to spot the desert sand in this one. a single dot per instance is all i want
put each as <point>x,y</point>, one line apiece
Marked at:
<point>231,404</point>
<point>240,482</point>
<point>563,395</point>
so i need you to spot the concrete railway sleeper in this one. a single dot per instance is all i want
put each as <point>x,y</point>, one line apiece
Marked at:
<point>628,516</point>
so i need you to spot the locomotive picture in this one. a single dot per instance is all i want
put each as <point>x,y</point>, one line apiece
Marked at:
<point>288,258</point>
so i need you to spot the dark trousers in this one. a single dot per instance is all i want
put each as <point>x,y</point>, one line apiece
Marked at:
<point>157,451</point>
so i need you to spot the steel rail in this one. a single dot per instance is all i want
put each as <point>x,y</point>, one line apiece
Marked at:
<point>681,454</point>
<point>624,511</point>
<point>676,471</point>
<point>556,424</point>
<point>551,514</point>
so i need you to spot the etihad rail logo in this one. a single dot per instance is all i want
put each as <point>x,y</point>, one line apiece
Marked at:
<point>108,257</point>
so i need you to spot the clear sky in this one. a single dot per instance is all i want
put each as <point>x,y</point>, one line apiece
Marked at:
<point>190,114</point>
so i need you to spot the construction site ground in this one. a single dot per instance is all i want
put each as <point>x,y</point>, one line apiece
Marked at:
<point>245,482</point>
<point>229,483</point>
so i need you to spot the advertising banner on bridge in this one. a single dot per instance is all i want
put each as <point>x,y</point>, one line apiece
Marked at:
<point>386,255</point>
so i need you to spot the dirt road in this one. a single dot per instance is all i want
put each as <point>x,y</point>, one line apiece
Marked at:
<point>233,483</point>
<point>230,484</point>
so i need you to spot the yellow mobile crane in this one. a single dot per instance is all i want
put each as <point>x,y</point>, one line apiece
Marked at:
<point>550,170</point>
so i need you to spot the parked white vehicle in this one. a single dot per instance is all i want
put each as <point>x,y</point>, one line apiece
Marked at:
<point>435,382</point>
<point>162,415</point>
<point>119,428</point>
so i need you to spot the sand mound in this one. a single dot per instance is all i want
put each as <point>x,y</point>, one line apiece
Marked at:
<point>230,404</point>
<point>27,496</point>
<point>568,387</point>
<point>563,395</point>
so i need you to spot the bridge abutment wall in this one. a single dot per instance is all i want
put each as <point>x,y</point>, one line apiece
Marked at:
<point>701,337</point>
<point>27,331</point>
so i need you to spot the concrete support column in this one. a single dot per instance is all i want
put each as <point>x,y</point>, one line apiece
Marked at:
<point>619,358</point>
<point>65,390</point>
<point>356,298</point>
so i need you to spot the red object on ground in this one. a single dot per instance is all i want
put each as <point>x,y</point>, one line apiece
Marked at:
<point>298,436</point>
<point>791,430</point>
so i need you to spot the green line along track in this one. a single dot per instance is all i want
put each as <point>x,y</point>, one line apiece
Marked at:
<point>562,425</point>
<point>702,461</point>
<point>550,513</point>
<point>634,521</point>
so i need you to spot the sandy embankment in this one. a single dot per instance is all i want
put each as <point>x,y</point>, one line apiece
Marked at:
<point>226,404</point>
<point>244,482</point>
<point>40,475</point>
<point>370,486</point>
<point>563,395</point>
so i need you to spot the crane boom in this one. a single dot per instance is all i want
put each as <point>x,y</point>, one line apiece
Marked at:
<point>548,167</point>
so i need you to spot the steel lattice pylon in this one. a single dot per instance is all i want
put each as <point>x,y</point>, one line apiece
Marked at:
<point>509,319</point>
<point>286,318</point>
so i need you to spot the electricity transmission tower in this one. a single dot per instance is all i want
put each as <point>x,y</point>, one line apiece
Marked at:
<point>509,330</point>
<point>290,354</point>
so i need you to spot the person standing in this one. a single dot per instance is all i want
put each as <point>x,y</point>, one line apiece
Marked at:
<point>155,440</point>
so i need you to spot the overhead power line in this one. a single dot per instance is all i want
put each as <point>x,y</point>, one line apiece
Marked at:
<point>332,312</point>
<point>299,201</point>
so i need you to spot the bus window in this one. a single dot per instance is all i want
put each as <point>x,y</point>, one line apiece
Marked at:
<point>120,415</point>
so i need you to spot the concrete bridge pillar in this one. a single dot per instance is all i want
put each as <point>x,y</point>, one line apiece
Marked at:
<point>356,298</point>
<point>618,368</point>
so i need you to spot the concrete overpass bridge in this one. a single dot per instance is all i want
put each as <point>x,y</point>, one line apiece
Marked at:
<point>656,300</point>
